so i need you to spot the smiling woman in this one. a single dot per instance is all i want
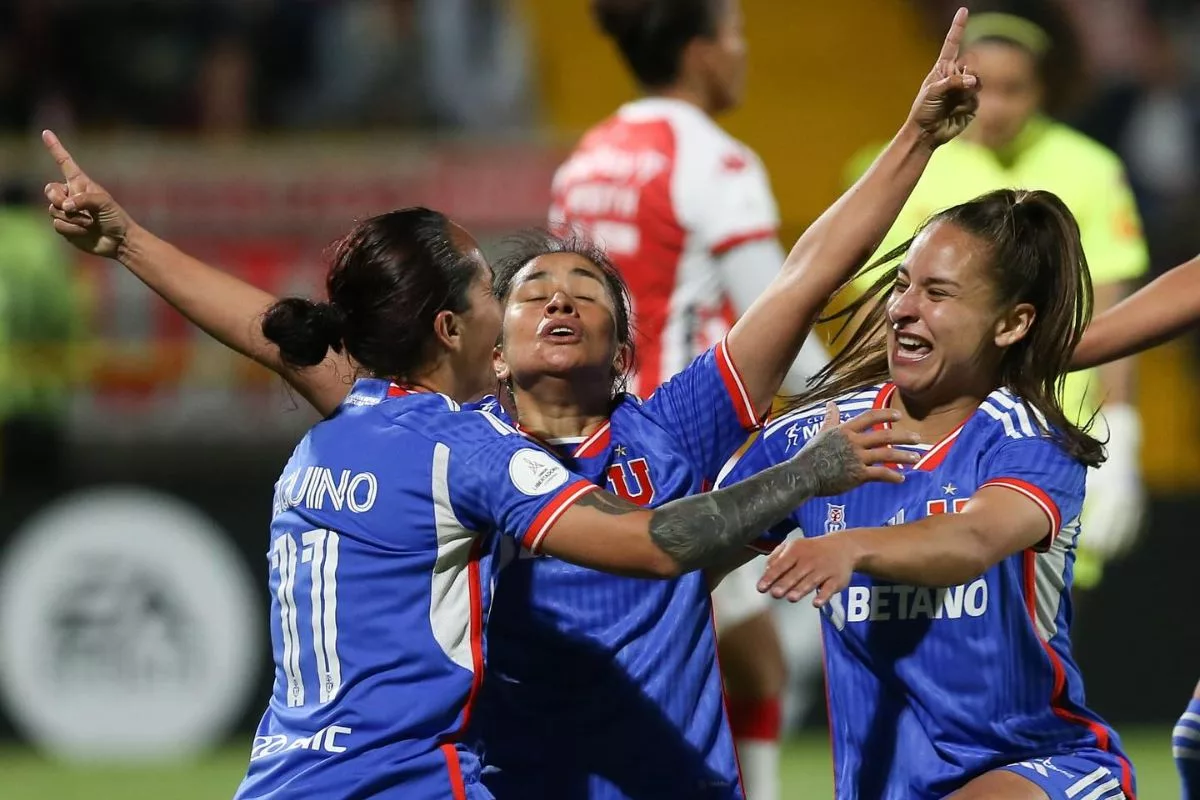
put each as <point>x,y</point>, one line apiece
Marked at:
<point>973,554</point>
<point>956,319</point>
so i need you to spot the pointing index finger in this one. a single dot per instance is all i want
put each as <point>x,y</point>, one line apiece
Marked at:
<point>71,172</point>
<point>954,36</point>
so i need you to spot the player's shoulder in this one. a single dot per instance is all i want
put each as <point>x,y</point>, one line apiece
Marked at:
<point>624,147</point>
<point>489,403</point>
<point>434,417</point>
<point>793,428</point>
<point>629,412</point>
<point>1003,416</point>
<point>469,430</point>
<point>700,142</point>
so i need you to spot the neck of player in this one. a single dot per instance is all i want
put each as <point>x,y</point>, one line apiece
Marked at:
<point>931,418</point>
<point>693,92</point>
<point>551,407</point>
<point>441,377</point>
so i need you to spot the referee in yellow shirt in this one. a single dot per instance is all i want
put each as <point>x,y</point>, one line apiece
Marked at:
<point>1011,144</point>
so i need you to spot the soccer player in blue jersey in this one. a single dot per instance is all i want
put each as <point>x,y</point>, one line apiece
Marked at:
<point>946,599</point>
<point>389,517</point>
<point>630,663</point>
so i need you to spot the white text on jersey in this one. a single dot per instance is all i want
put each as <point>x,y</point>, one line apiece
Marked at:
<point>323,740</point>
<point>900,603</point>
<point>316,489</point>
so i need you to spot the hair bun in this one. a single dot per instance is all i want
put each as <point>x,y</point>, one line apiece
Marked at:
<point>303,330</point>
<point>330,321</point>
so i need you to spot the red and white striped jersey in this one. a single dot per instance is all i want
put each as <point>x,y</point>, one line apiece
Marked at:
<point>667,192</point>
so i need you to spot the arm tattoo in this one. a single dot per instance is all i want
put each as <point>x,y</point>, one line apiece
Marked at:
<point>697,531</point>
<point>607,503</point>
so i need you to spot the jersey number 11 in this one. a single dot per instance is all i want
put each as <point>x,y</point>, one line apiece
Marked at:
<point>319,549</point>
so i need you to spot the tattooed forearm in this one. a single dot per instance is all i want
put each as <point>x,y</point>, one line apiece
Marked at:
<point>698,530</point>
<point>607,503</point>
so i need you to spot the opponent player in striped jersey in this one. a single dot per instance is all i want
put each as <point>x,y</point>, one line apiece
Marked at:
<point>388,519</point>
<point>687,213</point>
<point>946,599</point>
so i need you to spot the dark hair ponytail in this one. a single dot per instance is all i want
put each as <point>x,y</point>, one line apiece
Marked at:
<point>388,280</point>
<point>1036,258</point>
<point>304,330</point>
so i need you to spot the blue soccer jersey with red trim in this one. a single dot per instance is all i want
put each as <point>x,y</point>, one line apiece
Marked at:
<point>602,686</point>
<point>383,553</point>
<point>930,687</point>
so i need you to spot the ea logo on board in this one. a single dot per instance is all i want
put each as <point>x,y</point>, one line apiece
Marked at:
<point>129,627</point>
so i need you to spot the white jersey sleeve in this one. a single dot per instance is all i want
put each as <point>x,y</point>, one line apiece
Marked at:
<point>721,190</point>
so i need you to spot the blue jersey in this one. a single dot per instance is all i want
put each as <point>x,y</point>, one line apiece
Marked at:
<point>929,688</point>
<point>384,547</point>
<point>602,686</point>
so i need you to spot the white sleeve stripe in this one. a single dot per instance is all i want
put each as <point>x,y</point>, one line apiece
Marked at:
<point>563,503</point>
<point>1101,792</point>
<point>747,406</point>
<point>1087,780</point>
<point>500,427</point>
<point>1186,733</point>
<point>1023,410</point>
<point>1002,418</point>
<point>1042,502</point>
<point>1023,420</point>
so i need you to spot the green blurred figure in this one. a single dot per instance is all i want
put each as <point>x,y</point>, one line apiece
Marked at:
<point>41,328</point>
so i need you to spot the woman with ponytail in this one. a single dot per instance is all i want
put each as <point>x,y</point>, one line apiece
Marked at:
<point>946,599</point>
<point>390,516</point>
<point>646,649</point>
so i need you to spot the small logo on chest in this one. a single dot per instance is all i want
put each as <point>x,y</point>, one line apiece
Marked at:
<point>632,481</point>
<point>835,518</point>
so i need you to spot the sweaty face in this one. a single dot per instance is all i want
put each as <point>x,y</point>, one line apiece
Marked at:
<point>559,321</point>
<point>1011,92</point>
<point>725,57</point>
<point>941,339</point>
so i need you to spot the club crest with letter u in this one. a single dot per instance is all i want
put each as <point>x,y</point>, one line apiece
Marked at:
<point>835,518</point>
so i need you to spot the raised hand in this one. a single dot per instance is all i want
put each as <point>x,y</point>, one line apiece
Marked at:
<point>844,456</point>
<point>84,213</point>
<point>949,95</point>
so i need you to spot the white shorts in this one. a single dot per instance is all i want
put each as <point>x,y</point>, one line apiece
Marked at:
<point>737,599</point>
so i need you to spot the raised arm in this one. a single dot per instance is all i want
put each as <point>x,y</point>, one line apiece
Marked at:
<point>766,339</point>
<point>702,530</point>
<point>224,307</point>
<point>1159,311</point>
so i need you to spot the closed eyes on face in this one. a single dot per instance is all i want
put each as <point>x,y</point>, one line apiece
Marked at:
<point>579,284</point>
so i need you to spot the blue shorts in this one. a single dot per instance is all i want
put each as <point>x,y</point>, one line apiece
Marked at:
<point>1083,775</point>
